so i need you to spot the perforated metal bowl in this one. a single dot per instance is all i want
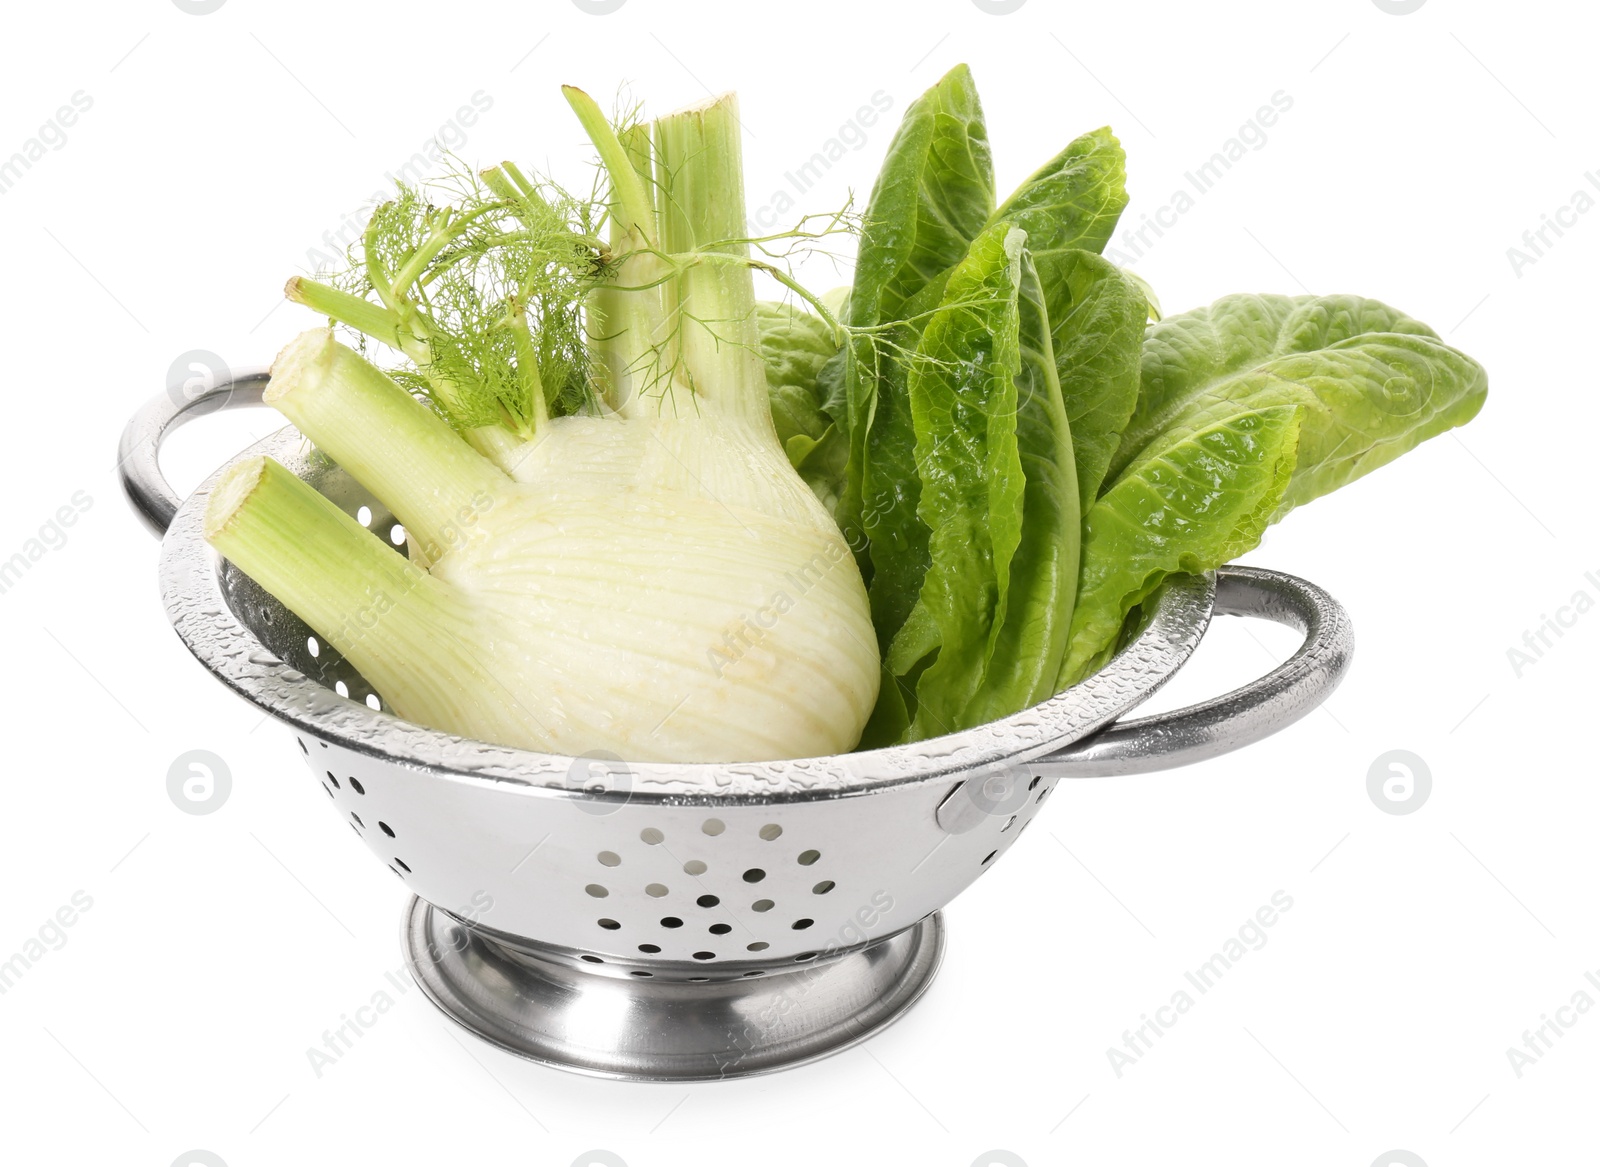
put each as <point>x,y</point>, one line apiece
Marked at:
<point>656,921</point>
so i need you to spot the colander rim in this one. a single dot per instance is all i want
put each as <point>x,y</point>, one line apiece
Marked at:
<point>191,588</point>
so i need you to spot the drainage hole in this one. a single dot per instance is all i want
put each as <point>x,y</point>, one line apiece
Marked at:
<point>386,828</point>
<point>355,784</point>
<point>762,906</point>
<point>609,859</point>
<point>404,866</point>
<point>754,875</point>
<point>802,924</point>
<point>807,858</point>
<point>591,959</point>
<point>671,922</point>
<point>332,779</point>
<point>705,956</point>
<point>823,888</point>
<point>720,929</point>
<point>608,925</point>
<point>708,901</point>
<point>597,891</point>
<point>650,948</point>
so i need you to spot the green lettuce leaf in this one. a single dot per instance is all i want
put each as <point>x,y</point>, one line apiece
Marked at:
<point>1031,622</point>
<point>1372,382</point>
<point>1097,318</point>
<point>1202,499</point>
<point>931,198</point>
<point>795,344</point>
<point>999,497</point>
<point>933,195</point>
<point>962,388</point>
<point>1074,200</point>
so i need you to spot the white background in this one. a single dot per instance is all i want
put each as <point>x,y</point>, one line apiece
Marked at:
<point>1419,148</point>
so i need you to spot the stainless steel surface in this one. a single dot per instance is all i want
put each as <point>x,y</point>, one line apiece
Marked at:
<point>1249,713</point>
<point>693,876</point>
<point>154,501</point>
<point>1195,732</point>
<point>721,1023</point>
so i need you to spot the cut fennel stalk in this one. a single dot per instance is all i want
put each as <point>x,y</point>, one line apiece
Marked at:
<point>651,580</point>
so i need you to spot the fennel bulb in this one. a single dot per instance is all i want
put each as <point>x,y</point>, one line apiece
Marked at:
<point>651,579</point>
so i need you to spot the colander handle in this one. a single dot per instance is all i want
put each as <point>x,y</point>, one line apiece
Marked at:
<point>1248,714</point>
<point>139,451</point>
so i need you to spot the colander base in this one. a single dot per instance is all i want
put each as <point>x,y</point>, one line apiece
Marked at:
<point>648,1029</point>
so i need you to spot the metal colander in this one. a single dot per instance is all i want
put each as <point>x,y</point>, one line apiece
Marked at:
<point>683,922</point>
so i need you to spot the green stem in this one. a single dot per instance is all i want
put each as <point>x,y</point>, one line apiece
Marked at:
<point>359,313</point>
<point>373,320</point>
<point>336,575</point>
<point>370,319</point>
<point>795,286</point>
<point>518,179</point>
<point>450,228</point>
<point>528,366</point>
<point>624,317</point>
<point>498,180</point>
<point>376,276</point>
<point>631,204</point>
<point>712,305</point>
<point>388,441</point>
<point>496,443</point>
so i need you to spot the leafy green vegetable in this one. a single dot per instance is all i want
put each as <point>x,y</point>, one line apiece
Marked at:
<point>931,198</point>
<point>963,393</point>
<point>1373,381</point>
<point>1073,200</point>
<point>795,344</point>
<point>999,498</point>
<point>891,478</point>
<point>795,347</point>
<point>1184,443</point>
<point>1097,318</point>
<point>933,195</point>
<point>1029,635</point>
<point>1203,499</point>
<point>1365,382</point>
